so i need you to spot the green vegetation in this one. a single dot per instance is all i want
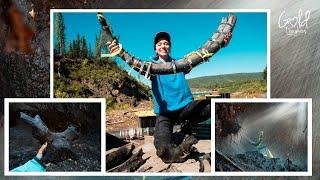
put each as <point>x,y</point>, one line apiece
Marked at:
<point>212,82</point>
<point>95,79</point>
<point>245,84</point>
<point>60,34</point>
<point>78,48</point>
<point>251,87</point>
<point>79,72</point>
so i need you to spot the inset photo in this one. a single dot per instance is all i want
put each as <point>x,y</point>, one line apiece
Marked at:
<point>158,78</point>
<point>43,136</point>
<point>99,54</point>
<point>263,137</point>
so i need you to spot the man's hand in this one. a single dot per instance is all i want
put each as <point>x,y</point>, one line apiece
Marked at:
<point>227,39</point>
<point>113,46</point>
<point>42,150</point>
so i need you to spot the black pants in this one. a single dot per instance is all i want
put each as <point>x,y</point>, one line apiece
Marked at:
<point>195,112</point>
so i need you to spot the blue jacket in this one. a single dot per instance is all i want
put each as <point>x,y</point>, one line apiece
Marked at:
<point>33,165</point>
<point>170,92</point>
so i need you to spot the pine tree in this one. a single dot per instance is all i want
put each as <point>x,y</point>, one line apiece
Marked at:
<point>265,74</point>
<point>90,54</point>
<point>70,50</point>
<point>77,47</point>
<point>103,42</point>
<point>97,46</point>
<point>84,48</point>
<point>60,34</point>
<point>74,49</point>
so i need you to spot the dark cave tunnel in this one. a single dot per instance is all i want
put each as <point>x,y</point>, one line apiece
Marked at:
<point>284,127</point>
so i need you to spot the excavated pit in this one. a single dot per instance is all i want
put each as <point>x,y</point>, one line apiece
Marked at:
<point>283,146</point>
<point>84,153</point>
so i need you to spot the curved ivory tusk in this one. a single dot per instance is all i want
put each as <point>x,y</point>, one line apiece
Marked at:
<point>185,64</point>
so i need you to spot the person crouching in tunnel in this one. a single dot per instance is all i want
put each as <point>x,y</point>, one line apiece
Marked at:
<point>173,103</point>
<point>35,164</point>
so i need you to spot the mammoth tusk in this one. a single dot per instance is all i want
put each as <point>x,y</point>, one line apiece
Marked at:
<point>214,44</point>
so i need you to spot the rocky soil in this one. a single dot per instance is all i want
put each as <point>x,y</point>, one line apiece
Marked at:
<point>255,161</point>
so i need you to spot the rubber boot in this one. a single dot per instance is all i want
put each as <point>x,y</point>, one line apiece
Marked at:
<point>176,154</point>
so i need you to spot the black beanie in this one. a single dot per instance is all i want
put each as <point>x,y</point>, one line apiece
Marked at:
<point>161,35</point>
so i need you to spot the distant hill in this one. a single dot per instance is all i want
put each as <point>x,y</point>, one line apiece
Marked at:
<point>220,81</point>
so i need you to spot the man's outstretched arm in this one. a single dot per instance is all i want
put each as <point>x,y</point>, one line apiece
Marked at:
<point>218,40</point>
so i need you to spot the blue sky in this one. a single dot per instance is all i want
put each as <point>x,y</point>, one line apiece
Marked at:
<point>247,51</point>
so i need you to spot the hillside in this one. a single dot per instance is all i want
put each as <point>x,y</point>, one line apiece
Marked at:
<point>223,80</point>
<point>84,78</point>
<point>240,85</point>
